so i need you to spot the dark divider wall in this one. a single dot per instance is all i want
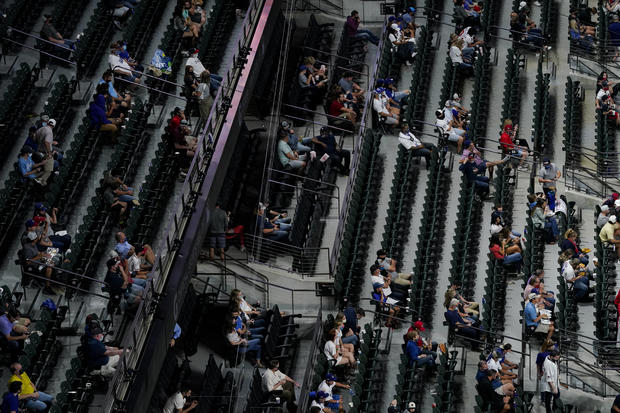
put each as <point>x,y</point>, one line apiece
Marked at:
<point>184,265</point>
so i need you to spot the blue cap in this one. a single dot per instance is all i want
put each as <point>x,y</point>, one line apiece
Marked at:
<point>321,395</point>
<point>379,90</point>
<point>30,223</point>
<point>40,207</point>
<point>389,80</point>
<point>380,81</point>
<point>467,143</point>
<point>546,161</point>
<point>412,9</point>
<point>302,67</point>
<point>376,285</point>
<point>391,18</point>
<point>330,377</point>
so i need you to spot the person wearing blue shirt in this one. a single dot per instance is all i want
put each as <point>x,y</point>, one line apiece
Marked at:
<point>253,332</point>
<point>175,334</point>
<point>409,16</point>
<point>10,401</point>
<point>456,321</point>
<point>414,354</point>
<point>532,318</point>
<point>27,168</point>
<point>270,231</point>
<point>351,329</point>
<point>341,157</point>
<point>99,356</point>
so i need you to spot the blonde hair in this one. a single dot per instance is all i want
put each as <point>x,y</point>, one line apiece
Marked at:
<point>570,233</point>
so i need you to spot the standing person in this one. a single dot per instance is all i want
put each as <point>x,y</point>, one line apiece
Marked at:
<point>34,399</point>
<point>550,381</point>
<point>352,30</point>
<point>177,403</point>
<point>547,176</point>
<point>205,100</point>
<point>218,223</point>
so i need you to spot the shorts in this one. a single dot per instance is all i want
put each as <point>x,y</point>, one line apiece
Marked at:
<point>542,328</point>
<point>216,240</point>
<point>120,11</point>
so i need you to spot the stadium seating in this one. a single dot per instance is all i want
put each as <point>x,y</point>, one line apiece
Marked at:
<point>139,30</point>
<point>512,88</point>
<point>480,99</point>
<point>606,157</point>
<point>350,270</point>
<point>370,374</point>
<point>446,395</point>
<point>548,19</point>
<point>543,113</point>
<point>94,42</point>
<point>215,33</point>
<point>410,384</point>
<point>422,68</point>
<point>20,15</point>
<point>573,99</point>
<point>452,82</point>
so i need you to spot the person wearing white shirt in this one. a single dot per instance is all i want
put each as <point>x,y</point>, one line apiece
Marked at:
<point>177,403</point>
<point>334,402</point>
<point>383,108</point>
<point>332,353</point>
<point>278,383</point>
<point>549,382</point>
<point>447,128</point>
<point>320,402</point>
<point>413,144</point>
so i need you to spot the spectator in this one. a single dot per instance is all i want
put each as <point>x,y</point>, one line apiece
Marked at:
<point>533,317</point>
<point>177,403</point>
<point>38,172</point>
<point>121,285</point>
<point>603,217</point>
<point>203,94</point>
<point>97,114</point>
<point>490,396</point>
<point>190,31</point>
<point>508,141</point>
<point>113,202</point>
<point>337,109</point>
<point>269,230</point>
<point>349,87</point>
<point>299,145</point>
<point>100,356</point>
<point>214,80</point>
<point>122,101</point>
<point>112,178</point>
<point>450,129</point>
<point>494,362</point>
<point>470,307</point>
<point>570,243</point>
<point>381,105</point>
<point>287,157</point>
<point>318,404</point>
<point>576,276</point>
<point>352,30</point>
<point>498,249</point>
<point>351,329</point>
<point>34,399</point>
<point>44,137</point>
<point>254,332</point>
<point>121,66</point>
<point>120,12</point>
<point>279,384</point>
<point>547,176</point>
<point>122,248</point>
<point>10,399</point>
<point>216,233</point>
<point>461,326</point>
<point>184,144</point>
<point>464,62</point>
<point>614,31</point>
<point>414,354</point>
<point>13,333</point>
<point>244,345</point>
<point>384,278</point>
<point>549,382</point>
<point>480,164</point>
<point>333,401</point>
<point>392,92</point>
<point>135,266</point>
<point>32,253</point>
<point>413,144</point>
<point>544,221</point>
<point>480,182</point>
<point>341,158</point>
<point>615,408</point>
<point>62,242</point>
<point>49,33</point>
<point>339,358</point>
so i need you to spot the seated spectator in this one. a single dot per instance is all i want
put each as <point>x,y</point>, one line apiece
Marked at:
<point>337,109</point>
<point>178,401</point>
<point>111,199</point>
<point>10,399</point>
<point>509,144</point>
<point>582,36</point>
<point>121,67</point>
<point>351,329</point>
<point>543,220</point>
<point>339,326</point>
<point>32,253</point>
<point>532,316</point>
<point>414,354</point>
<point>123,101</point>
<point>602,217</point>
<point>386,304</point>
<point>413,144</point>
<point>244,345</point>
<point>184,144</point>
<point>38,172</point>
<point>253,332</point>
<point>612,6</point>
<point>188,30</point>
<point>332,400</point>
<point>349,87</point>
<point>481,165</point>
<point>60,240</point>
<point>279,384</point>
<point>287,157</point>
<point>12,332</point>
<point>100,356</point>
<point>318,405</point>
<point>34,399</point>
<point>122,247</point>
<point>464,62</point>
<point>388,264</point>
<point>339,358</point>
<point>97,113</point>
<point>299,145</point>
<point>403,45</point>
<point>196,17</point>
<point>575,275</point>
<point>570,243</point>
<point>121,285</point>
<point>352,30</point>
<point>49,33</point>
<point>270,230</point>
<point>381,105</point>
<point>471,172</point>
<point>462,327</point>
<point>464,17</point>
<point>199,69</point>
<point>536,285</point>
<point>450,129</point>
<point>498,249</point>
<point>470,307</point>
<point>341,158</point>
<point>124,193</point>
<point>494,361</point>
<point>391,91</point>
<point>383,277</point>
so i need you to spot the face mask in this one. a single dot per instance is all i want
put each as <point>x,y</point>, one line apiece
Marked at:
<point>124,47</point>
<point>44,123</point>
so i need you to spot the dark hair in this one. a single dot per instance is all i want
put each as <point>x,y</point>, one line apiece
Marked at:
<point>373,268</point>
<point>273,364</point>
<point>354,12</point>
<point>360,311</point>
<point>331,334</point>
<point>507,346</point>
<point>13,313</point>
<point>495,239</point>
<point>491,372</point>
<point>108,72</point>
<point>184,387</point>
<point>15,386</point>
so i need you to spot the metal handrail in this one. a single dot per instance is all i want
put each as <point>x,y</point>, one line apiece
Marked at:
<point>314,344</point>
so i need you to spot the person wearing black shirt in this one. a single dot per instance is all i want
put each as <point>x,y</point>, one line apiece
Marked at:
<point>615,408</point>
<point>490,396</point>
<point>327,144</point>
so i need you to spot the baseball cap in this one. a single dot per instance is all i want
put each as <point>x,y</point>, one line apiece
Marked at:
<point>30,223</point>
<point>467,143</point>
<point>605,83</point>
<point>302,67</point>
<point>471,155</point>
<point>419,325</point>
<point>456,96</point>
<point>285,124</point>
<point>522,5</point>
<point>546,161</point>
<point>184,122</point>
<point>612,219</point>
<point>96,331</point>
<point>39,206</point>
<point>411,405</point>
<point>330,377</point>
<point>52,122</point>
<point>615,195</point>
<point>324,129</point>
<point>531,296</point>
<point>617,203</point>
<point>45,117</point>
<point>388,81</point>
<point>412,9</point>
<point>31,235</point>
<point>604,208</point>
<point>381,252</point>
<point>438,112</point>
<point>376,285</point>
<point>379,90</point>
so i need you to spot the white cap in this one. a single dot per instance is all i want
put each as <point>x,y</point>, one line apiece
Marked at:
<point>605,208</point>
<point>32,235</point>
<point>522,5</point>
<point>612,219</point>
<point>617,203</point>
<point>411,405</point>
<point>52,122</point>
<point>531,296</point>
<point>456,96</point>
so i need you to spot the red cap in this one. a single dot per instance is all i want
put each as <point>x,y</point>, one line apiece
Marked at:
<point>38,219</point>
<point>175,121</point>
<point>419,325</point>
<point>614,195</point>
<point>508,127</point>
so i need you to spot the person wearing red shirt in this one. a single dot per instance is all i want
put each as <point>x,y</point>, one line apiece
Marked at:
<point>507,140</point>
<point>498,249</point>
<point>338,110</point>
